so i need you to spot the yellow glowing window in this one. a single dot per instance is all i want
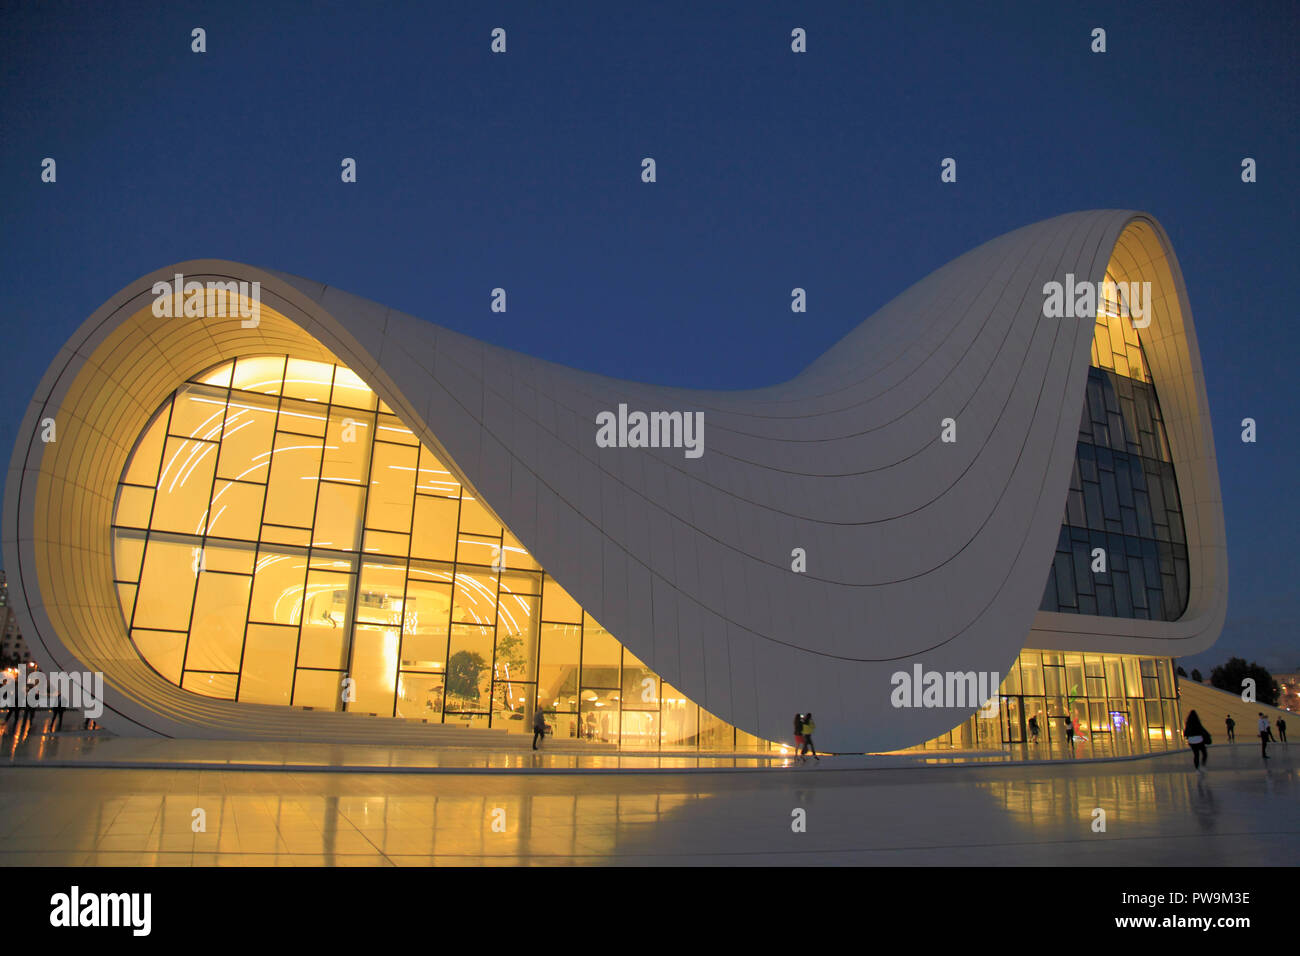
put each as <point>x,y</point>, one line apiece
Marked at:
<point>259,373</point>
<point>1115,342</point>
<point>309,381</point>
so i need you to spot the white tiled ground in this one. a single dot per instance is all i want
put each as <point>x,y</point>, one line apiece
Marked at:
<point>887,811</point>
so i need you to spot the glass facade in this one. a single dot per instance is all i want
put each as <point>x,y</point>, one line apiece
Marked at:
<point>1123,496</point>
<point>1121,704</point>
<point>278,531</point>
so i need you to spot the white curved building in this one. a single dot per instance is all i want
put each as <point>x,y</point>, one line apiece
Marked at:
<point>269,526</point>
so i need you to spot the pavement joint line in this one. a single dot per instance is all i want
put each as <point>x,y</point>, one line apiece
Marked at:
<point>390,855</point>
<point>210,766</point>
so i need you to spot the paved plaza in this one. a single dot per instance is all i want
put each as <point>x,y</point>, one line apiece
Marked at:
<point>67,800</point>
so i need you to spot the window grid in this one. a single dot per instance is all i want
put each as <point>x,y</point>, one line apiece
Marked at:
<point>200,564</point>
<point>1123,495</point>
<point>1110,719</point>
<point>350,610</point>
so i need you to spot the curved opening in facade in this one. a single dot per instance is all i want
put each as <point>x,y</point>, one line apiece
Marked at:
<point>1122,550</point>
<point>1124,507</point>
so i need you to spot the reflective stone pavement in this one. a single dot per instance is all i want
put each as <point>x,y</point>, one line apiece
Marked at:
<point>100,750</point>
<point>428,810</point>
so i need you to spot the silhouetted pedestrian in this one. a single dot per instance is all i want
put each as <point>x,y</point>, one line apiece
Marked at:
<point>1033,728</point>
<point>1263,735</point>
<point>1281,730</point>
<point>539,726</point>
<point>808,745</point>
<point>1198,738</point>
<point>13,713</point>
<point>57,706</point>
<point>1069,733</point>
<point>29,705</point>
<point>1232,729</point>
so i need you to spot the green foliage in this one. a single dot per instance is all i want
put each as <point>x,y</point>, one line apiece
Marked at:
<point>464,668</point>
<point>510,651</point>
<point>511,661</point>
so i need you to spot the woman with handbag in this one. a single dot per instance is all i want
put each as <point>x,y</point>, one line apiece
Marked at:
<point>1198,738</point>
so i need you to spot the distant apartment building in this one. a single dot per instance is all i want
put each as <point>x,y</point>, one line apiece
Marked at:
<point>12,646</point>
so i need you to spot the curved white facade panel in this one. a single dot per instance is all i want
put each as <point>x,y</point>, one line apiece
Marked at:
<point>919,551</point>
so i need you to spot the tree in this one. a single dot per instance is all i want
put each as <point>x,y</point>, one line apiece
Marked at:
<point>1181,672</point>
<point>463,671</point>
<point>510,667</point>
<point>1229,677</point>
<point>510,652</point>
<point>1196,676</point>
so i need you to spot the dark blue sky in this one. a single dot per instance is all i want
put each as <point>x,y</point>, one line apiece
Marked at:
<point>775,170</point>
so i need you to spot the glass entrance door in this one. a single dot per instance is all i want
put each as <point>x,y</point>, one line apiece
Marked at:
<point>1013,720</point>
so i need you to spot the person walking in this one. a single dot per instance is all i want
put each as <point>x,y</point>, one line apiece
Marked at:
<point>539,725</point>
<point>1199,740</point>
<point>1033,728</point>
<point>1069,732</point>
<point>1281,730</point>
<point>29,706</point>
<point>798,737</point>
<point>1264,734</point>
<point>1232,729</point>
<point>808,745</point>
<point>57,706</point>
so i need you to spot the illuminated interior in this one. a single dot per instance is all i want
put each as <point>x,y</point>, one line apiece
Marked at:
<point>1120,704</point>
<point>280,537</point>
<point>1115,343</point>
<point>1123,495</point>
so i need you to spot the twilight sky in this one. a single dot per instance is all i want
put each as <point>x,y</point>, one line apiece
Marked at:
<point>775,170</point>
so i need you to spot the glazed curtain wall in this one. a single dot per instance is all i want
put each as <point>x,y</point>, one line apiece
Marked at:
<point>279,531</point>
<point>1123,496</point>
<point>1120,705</point>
